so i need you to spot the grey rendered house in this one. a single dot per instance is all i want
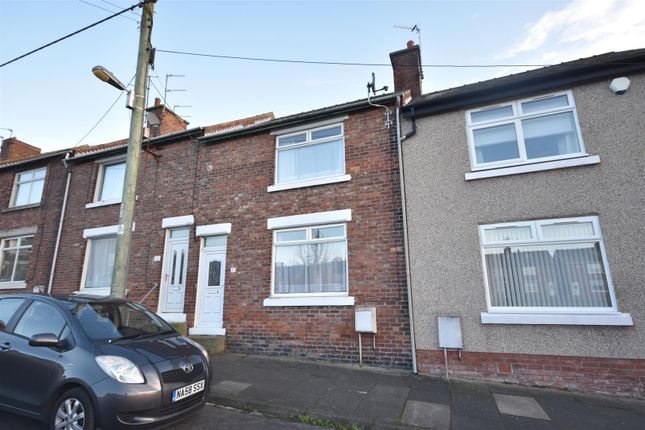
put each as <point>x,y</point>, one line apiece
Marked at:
<point>525,200</point>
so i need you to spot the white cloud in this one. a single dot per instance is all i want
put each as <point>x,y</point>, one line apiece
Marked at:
<point>582,29</point>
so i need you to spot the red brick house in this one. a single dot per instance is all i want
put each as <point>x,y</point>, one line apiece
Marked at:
<point>267,231</point>
<point>32,186</point>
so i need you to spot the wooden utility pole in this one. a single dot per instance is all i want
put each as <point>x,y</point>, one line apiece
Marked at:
<point>128,200</point>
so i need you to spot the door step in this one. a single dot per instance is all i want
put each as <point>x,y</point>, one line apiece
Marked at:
<point>181,327</point>
<point>213,344</point>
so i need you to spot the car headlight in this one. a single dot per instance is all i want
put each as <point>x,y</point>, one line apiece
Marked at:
<point>120,368</point>
<point>201,348</point>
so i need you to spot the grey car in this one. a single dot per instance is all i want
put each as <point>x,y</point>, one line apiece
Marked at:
<point>84,362</point>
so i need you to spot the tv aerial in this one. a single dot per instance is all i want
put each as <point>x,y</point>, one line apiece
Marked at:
<point>414,28</point>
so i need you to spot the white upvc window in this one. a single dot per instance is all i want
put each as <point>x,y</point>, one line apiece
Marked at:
<point>28,187</point>
<point>14,260</point>
<point>310,157</point>
<point>99,264</point>
<point>109,183</point>
<point>310,261</point>
<point>527,131</point>
<point>547,266</point>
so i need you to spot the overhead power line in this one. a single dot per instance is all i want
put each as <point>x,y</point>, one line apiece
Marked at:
<point>104,115</point>
<point>341,63</point>
<point>76,32</point>
<point>107,10</point>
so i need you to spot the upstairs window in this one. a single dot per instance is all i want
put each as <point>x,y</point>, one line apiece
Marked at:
<point>28,188</point>
<point>14,258</point>
<point>525,131</point>
<point>109,187</point>
<point>549,265</point>
<point>310,154</point>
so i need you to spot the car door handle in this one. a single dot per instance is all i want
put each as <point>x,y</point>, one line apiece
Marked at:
<point>5,346</point>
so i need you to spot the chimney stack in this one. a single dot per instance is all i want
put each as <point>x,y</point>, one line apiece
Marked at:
<point>407,70</point>
<point>161,120</point>
<point>13,148</point>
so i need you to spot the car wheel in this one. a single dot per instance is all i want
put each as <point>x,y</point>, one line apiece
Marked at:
<point>73,410</point>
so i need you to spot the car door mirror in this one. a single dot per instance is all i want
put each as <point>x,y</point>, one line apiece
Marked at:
<point>44,339</point>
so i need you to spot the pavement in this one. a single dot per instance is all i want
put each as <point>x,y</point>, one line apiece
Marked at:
<point>349,397</point>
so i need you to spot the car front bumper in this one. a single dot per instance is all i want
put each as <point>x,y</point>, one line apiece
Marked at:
<point>143,406</point>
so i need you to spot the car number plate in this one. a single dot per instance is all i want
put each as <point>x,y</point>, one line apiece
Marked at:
<point>188,390</point>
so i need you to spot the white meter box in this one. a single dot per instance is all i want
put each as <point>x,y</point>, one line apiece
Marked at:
<point>365,319</point>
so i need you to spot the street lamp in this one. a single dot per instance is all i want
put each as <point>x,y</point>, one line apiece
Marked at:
<point>126,213</point>
<point>106,76</point>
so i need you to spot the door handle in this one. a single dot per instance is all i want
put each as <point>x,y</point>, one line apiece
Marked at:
<point>5,346</point>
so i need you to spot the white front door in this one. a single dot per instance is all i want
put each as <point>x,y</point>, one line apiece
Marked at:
<point>210,290</point>
<point>174,273</point>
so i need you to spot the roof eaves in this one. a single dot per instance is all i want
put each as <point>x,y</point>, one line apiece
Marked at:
<point>538,80</point>
<point>13,163</point>
<point>298,118</point>
<point>159,140</point>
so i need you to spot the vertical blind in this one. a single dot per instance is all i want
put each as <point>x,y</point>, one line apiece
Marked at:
<point>562,267</point>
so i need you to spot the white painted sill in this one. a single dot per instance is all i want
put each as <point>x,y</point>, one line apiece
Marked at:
<point>309,183</point>
<point>537,167</point>
<point>103,292</point>
<point>173,317</point>
<point>207,331</point>
<point>310,301</point>
<point>12,285</point>
<point>615,319</point>
<point>103,203</point>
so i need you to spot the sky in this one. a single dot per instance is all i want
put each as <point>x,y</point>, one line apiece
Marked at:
<point>51,99</point>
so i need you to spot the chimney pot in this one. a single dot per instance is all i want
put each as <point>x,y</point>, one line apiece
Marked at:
<point>410,44</point>
<point>157,101</point>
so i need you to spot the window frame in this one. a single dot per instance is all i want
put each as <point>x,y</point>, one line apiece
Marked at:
<point>101,291</point>
<point>309,240</point>
<point>100,178</point>
<point>12,283</point>
<point>516,119</point>
<point>17,183</point>
<point>309,142</point>
<point>537,238</point>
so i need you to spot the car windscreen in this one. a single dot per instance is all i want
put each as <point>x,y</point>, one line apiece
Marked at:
<point>112,321</point>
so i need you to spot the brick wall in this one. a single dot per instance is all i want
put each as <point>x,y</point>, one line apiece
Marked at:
<point>623,377</point>
<point>44,216</point>
<point>227,182</point>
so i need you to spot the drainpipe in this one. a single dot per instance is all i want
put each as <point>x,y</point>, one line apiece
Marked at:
<point>60,225</point>
<point>405,234</point>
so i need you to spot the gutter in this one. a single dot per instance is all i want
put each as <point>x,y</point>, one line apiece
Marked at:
<point>408,281</point>
<point>60,225</point>
<point>159,140</point>
<point>512,86</point>
<point>301,118</point>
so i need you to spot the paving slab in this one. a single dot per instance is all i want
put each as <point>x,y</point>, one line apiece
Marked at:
<point>473,400</point>
<point>383,405</point>
<point>519,406</point>
<point>426,415</point>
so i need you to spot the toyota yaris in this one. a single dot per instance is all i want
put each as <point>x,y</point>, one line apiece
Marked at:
<point>83,362</point>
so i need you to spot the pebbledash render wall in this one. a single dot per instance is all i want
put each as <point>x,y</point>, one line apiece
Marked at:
<point>226,182</point>
<point>444,211</point>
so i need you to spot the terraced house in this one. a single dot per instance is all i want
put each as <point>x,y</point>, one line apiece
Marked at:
<point>525,209</point>
<point>266,231</point>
